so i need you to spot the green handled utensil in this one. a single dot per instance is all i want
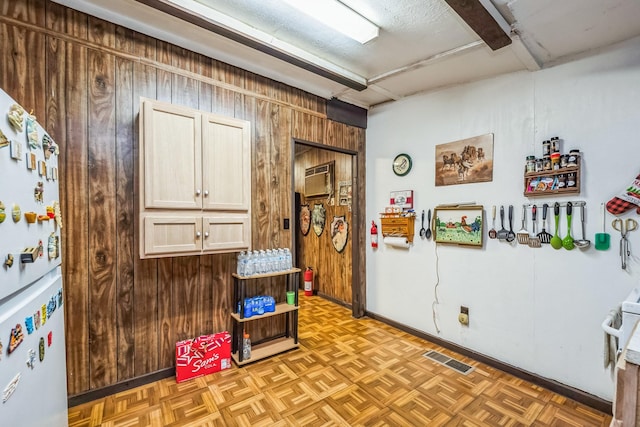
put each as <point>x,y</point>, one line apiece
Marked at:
<point>603,240</point>
<point>567,242</point>
<point>556,241</point>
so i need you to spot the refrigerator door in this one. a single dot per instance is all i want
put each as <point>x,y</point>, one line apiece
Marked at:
<point>33,381</point>
<point>30,218</point>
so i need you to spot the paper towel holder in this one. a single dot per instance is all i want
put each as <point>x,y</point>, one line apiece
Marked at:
<point>397,225</point>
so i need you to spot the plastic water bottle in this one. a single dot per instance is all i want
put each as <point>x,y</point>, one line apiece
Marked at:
<point>262,261</point>
<point>246,347</point>
<point>242,264</point>
<point>288,260</point>
<point>269,261</point>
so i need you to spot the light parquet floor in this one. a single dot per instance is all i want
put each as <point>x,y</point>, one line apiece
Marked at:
<point>347,372</point>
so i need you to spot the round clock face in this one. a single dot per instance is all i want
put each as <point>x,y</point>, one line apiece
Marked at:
<point>402,164</point>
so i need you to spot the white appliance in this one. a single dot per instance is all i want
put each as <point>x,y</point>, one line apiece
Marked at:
<point>630,310</point>
<point>33,385</point>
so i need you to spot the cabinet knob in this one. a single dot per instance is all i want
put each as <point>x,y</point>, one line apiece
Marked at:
<point>206,234</point>
<point>198,234</point>
<point>206,193</point>
<point>198,192</point>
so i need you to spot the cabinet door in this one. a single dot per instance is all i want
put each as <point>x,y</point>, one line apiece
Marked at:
<point>172,234</point>
<point>226,166</point>
<point>171,154</point>
<point>226,232</point>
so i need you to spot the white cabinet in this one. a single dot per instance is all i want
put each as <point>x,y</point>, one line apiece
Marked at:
<point>195,181</point>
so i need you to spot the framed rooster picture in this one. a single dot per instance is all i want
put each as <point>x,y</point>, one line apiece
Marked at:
<point>459,225</point>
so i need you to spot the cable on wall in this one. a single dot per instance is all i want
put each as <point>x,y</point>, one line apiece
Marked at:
<point>435,291</point>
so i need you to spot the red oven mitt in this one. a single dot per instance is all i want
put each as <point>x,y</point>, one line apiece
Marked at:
<point>629,200</point>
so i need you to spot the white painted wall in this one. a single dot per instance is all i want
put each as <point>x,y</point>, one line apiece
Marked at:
<point>537,309</point>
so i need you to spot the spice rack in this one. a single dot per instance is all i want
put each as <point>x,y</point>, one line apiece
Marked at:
<point>545,184</point>
<point>394,224</point>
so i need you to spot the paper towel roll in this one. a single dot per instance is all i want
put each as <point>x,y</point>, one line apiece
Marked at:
<point>397,242</point>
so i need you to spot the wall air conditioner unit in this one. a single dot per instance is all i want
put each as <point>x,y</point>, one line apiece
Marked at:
<point>318,180</point>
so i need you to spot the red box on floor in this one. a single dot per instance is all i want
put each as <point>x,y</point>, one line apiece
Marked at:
<point>203,355</point>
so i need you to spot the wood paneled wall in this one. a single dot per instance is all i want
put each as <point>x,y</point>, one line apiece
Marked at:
<point>83,78</point>
<point>332,270</point>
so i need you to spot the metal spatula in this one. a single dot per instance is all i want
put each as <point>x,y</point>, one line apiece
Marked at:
<point>523,234</point>
<point>534,240</point>
<point>543,235</point>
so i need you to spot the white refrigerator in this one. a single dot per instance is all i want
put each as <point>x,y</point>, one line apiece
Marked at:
<point>33,384</point>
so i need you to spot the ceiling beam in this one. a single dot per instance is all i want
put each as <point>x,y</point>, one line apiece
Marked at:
<point>481,22</point>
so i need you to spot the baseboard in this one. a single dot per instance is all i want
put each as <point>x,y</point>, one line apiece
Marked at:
<point>99,393</point>
<point>333,300</point>
<point>587,399</point>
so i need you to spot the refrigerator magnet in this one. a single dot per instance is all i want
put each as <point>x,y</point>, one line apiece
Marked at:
<point>3,140</point>
<point>31,161</point>
<point>16,338</point>
<point>43,311</point>
<point>15,117</point>
<point>1,350</point>
<point>3,214</point>
<point>49,338</point>
<point>38,192</point>
<point>41,349</point>
<point>10,388</point>
<point>60,299</point>
<point>36,319</point>
<point>32,132</point>
<point>8,262</point>
<point>31,361</point>
<point>16,213</point>
<point>28,323</point>
<point>16,150</point>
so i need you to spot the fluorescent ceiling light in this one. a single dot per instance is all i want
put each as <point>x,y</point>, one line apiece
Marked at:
<point>339,17</point>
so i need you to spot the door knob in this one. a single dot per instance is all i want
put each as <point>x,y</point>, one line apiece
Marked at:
<point>198,234</point>
<point>206,193</point>
<point>198,192</point>
<point>206,234</point>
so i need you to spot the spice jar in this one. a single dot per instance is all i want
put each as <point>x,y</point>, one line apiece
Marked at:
<point>546,148</point>
<point>546,163</point>
<point>555,144</point>
<point>539,165</point>
<point>555,161</point>
<point>531,164</point>
<point>562,181</point>
<point>571,179</point>
<point>564,160</point>
<point>574,157</point>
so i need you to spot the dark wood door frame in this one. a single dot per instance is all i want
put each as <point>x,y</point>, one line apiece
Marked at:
<point>358,285</point>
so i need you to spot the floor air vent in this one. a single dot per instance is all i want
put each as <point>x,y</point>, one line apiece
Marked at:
<point>454,364</point>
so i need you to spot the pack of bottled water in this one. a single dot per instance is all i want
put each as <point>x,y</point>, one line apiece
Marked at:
<point>257,305</point>
<point>262,261</point>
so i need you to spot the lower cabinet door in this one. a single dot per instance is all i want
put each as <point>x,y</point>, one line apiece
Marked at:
<point>167,235</point>
<point>226,232</point>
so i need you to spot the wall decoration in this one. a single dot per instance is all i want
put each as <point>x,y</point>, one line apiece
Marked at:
<point>305,219</point>
<point>344,193</point>
<point>402,164</point>
<point>318,218</point>
<point>401,199</point>
<point>465,161</point>
<point>339,232</point>
<point>460,225</point>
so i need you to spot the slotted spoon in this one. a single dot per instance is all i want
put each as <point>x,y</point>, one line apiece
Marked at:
<point>534,240</point>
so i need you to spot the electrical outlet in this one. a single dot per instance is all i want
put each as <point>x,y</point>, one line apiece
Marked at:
<point>463,317</point>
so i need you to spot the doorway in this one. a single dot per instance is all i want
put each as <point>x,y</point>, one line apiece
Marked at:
<point>334,265</point>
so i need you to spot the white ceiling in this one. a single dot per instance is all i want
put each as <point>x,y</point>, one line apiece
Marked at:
<point>423,44</point>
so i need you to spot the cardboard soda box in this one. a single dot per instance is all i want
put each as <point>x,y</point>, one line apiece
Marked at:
<point>203,355</point>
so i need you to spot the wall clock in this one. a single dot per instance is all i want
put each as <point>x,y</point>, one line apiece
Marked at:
<point>402,164</point>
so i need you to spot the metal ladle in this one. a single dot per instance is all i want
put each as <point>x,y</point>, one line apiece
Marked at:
<point>582,243</point>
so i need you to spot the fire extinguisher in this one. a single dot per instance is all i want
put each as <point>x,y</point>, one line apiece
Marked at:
<point>308,282</point>
<point>374,235</point>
